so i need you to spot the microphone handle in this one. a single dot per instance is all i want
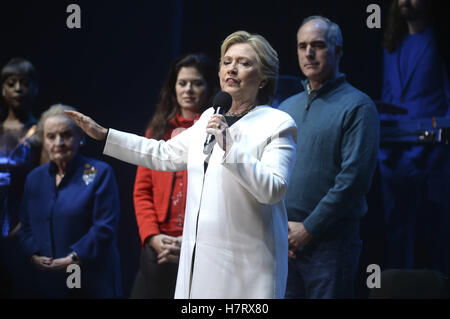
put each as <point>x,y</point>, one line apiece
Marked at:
<point>209,143</point>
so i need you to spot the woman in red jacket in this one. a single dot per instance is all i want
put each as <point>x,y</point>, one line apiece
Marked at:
<point>160,197</point>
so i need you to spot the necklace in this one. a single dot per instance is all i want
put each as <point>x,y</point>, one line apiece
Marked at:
<point>233,114</point>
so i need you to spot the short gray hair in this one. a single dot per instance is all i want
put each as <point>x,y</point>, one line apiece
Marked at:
<point>57,110</point>
<point>334,34</point>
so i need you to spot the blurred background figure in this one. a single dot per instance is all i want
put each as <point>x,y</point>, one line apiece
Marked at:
<point>415,178</point>
<point>19,153</point>
<point>70,214</point>
<point>160,197</point>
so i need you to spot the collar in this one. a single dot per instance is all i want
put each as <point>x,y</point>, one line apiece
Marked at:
<point>71,167</point>
<point>327,86</point>
<point>180,121</point>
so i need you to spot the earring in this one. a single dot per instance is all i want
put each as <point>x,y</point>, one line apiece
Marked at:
<point>262,84</point>
<point>81,143</point>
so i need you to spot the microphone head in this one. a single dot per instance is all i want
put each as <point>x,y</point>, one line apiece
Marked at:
<point>223,100</point>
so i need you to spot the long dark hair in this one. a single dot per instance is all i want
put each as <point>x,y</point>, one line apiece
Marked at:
<point>396,28</point>
<point>167,106</point>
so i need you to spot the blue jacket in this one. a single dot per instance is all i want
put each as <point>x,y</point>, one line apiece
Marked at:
<point>337,147</point>
<point>79,215</point>
<point>414,77</point>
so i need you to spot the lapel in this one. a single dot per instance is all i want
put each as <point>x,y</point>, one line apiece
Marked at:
<point>246,129</point>
<point>418,58</point>
<point>393,69</point>
<point>239,126</point>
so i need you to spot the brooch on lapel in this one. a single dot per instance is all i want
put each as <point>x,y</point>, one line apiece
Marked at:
<point>89,174</point>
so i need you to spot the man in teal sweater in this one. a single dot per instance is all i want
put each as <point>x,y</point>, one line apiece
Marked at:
<point>338,133</point>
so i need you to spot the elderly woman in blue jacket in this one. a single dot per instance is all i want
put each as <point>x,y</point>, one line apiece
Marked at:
<point>70,214</point>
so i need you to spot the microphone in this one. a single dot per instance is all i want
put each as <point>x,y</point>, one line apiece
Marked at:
<point>221,104</point>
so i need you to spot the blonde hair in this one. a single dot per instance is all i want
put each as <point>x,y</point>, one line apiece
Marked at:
<point>57,110</point>
<point>266,56</point>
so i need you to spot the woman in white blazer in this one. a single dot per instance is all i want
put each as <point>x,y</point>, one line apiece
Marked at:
<point>235,242</point>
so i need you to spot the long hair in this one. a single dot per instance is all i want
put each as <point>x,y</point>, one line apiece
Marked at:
<point>396,28</point>
<point>167,107</point>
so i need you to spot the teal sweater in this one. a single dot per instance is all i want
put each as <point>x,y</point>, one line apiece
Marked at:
<point>338,133</point>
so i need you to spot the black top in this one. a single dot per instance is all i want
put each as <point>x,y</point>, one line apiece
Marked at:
<point>230,121</point>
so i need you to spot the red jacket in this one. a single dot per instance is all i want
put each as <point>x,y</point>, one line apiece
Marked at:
<point>153,189</point>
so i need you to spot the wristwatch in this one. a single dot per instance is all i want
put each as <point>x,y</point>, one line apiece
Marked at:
<point>73,255</point>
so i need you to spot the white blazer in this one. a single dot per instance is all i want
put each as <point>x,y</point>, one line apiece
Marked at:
<point>235,242</point>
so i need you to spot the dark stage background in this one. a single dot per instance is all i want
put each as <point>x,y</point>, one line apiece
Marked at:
<point>112,68</point>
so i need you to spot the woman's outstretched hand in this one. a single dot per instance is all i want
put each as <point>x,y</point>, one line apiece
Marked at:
<point>88,125</point>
